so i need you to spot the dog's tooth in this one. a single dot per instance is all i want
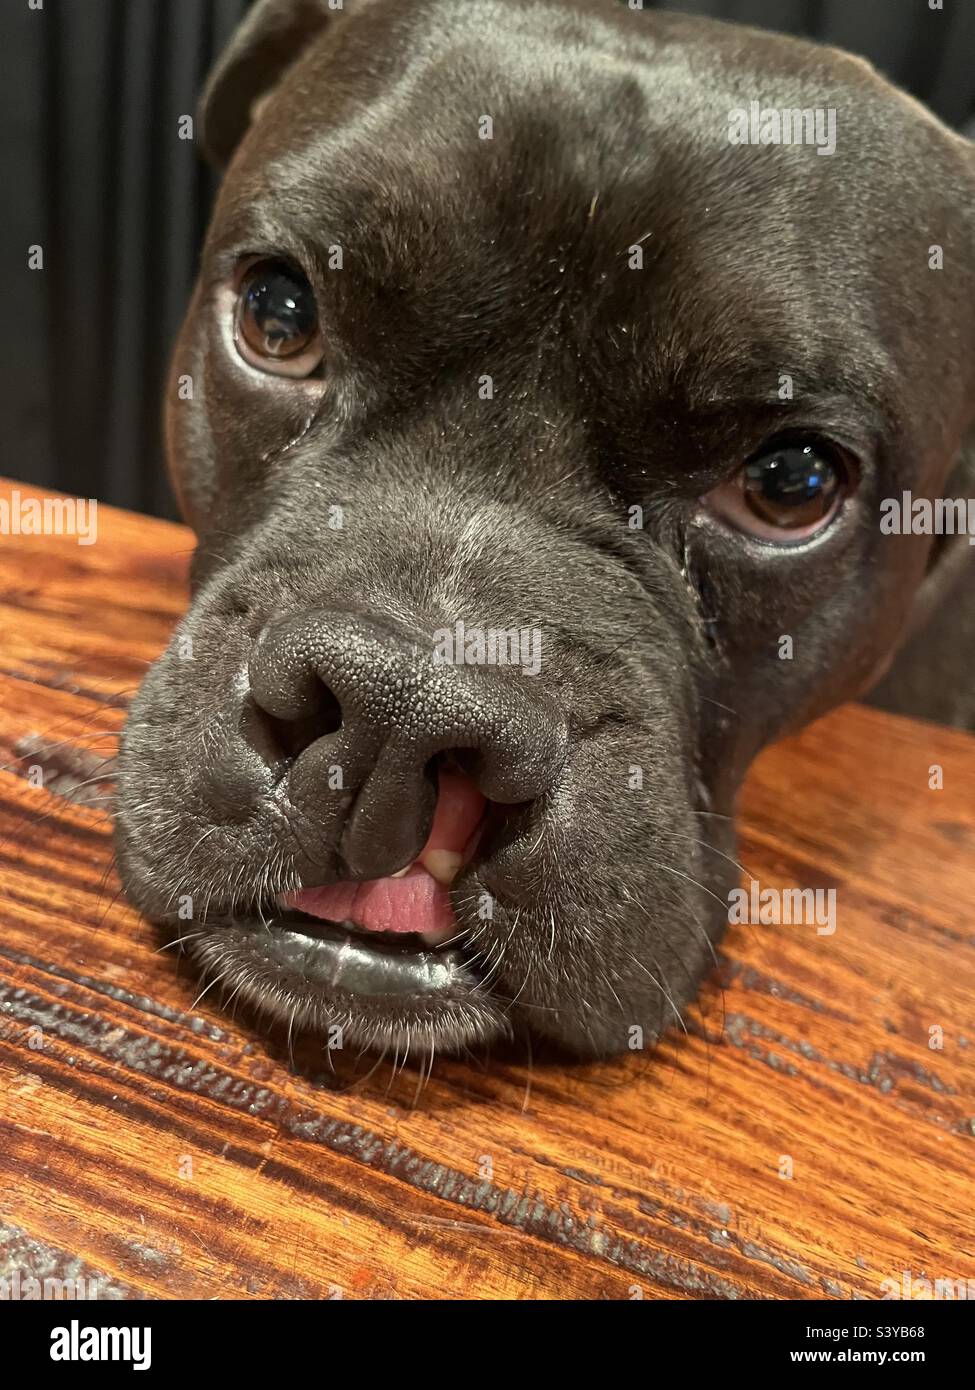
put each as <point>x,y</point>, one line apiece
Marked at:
<point>402,872</point>
<point>442,864</point>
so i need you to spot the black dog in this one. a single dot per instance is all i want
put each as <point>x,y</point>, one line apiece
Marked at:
<point>510,318</point>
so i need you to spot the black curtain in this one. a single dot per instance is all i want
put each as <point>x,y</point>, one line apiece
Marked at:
<point>96,174</point>
<point>91,97</point>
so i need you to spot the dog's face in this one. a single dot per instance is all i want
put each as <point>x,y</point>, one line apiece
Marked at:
<point>596,375</point>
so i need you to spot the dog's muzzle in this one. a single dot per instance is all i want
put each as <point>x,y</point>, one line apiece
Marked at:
<point>391,768</point>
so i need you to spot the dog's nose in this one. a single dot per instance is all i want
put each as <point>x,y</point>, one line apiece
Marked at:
<point>359,708</point>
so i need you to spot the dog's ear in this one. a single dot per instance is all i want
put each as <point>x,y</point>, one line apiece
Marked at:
<point>269,40</point>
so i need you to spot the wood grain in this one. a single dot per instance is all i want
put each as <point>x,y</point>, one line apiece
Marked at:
<point>168,1152</point>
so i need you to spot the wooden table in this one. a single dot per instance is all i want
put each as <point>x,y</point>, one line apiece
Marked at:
<point>804,1140</point>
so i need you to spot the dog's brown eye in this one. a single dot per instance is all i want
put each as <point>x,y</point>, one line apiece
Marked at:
<point>785,493</point>
<point>277,320</point>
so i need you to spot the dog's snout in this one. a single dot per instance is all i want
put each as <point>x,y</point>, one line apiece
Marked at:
<point>357,708</point>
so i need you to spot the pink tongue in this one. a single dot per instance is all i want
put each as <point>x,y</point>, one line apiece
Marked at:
<point>416,902</point>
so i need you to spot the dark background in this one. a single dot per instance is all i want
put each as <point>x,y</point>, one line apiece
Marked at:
<point>90,99</point>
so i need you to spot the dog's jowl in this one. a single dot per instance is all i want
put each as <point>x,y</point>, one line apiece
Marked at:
<point>535,432</point>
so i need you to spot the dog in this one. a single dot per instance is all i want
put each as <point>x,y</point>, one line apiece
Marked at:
<point>534,411</point>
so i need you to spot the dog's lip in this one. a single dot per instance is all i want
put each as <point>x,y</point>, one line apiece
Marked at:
<point>342,957</point>
<point>338,956</point>
<point>400,966</point>
<point>379,990</point>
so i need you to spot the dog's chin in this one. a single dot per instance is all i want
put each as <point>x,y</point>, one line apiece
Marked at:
<point>376,990</point>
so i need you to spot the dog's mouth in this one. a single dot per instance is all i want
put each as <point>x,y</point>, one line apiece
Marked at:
<point>416,900</point>
<point>381,962</point>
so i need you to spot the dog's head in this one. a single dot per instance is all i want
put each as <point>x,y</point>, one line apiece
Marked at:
<point>533,428</point>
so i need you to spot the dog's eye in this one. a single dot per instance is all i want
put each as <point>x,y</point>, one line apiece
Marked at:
<point>786,492</point>
<point>276,327</point>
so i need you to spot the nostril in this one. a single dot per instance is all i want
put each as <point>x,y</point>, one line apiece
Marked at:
<point>280,741</point>
<point>293,736</point>
<point>467,761</point>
